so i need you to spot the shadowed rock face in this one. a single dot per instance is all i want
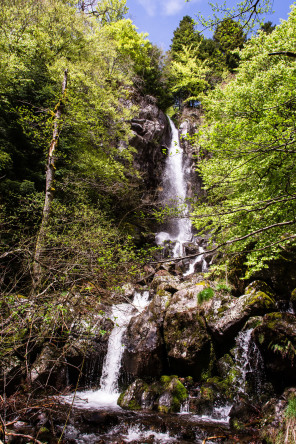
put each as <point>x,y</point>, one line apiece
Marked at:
<point>276,340</point>
<point>144,354</point>
<point>151,139</point>
<point>186,338</point>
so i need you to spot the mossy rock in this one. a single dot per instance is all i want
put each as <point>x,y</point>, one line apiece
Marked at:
<point>131,398</point>
<point>257,286</point>
<point>173,394</point>
<point>225,324</point>
<point>165,395</point>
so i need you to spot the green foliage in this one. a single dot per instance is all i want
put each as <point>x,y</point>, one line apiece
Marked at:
<point>290,411</point>
<point>184,36</point>
<point>225,288</point>
<point>249,153</point>
<point>229,36</point>
<point>268,27</point>
<point>248,12</point>
<point>188,75</point>
<point>205,295</point>
<point>194,64</point>
<point>104,56</point>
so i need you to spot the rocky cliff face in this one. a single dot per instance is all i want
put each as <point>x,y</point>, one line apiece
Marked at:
<point>151,139</point>
<point>188,123</point>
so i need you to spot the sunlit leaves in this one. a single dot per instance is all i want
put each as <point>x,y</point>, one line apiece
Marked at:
<point>249,141</point>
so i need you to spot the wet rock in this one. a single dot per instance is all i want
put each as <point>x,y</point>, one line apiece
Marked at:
<point>13,374</point>
<point>226,320</point>
<point>274,422</point>
<point>191,248</point>
<point>128,290</point>
<point>242,413</point>
<point>281,273</point>
<point>212,394</point>
<point>131,398</point>
<point>187,341</point>
<point>144,353</point>
<point>166,395</point>
<point>276,340</point>
<point>88,345</point>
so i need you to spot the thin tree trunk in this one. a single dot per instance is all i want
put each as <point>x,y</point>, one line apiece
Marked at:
<point>49,188</point>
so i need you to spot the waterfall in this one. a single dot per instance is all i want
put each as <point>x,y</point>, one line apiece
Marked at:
<point>249,363</point>
<point>179,228</point>
<point>108,393</point>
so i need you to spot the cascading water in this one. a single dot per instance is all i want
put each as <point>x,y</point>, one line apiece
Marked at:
<point>174,197</point>
<point>179,230</point>
<point>249,363</point>
<point>108,394</point>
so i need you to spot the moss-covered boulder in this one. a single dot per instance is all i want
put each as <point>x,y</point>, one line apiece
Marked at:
<point>225,321</point>
<point>165,395</point>
<point>276,340</point>
<point>187,341</point>
<point>173,394</point>
<point>131,398</point>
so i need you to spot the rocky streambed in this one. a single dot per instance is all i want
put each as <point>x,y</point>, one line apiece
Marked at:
<point>196,362</point>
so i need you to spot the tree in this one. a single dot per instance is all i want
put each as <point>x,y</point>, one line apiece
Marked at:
<point>249,171</point>
<point>268,27</point>
<point>38,41</point>
<point>246,12</point>
<point>184,36</point>
<point>188,76</point>
<point>49,186</point>
<point>229,36</point>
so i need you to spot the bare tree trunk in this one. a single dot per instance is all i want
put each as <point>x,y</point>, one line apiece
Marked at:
<point>49,188</point>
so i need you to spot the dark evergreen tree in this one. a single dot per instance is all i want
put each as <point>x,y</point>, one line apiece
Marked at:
<point>184,35</point>
<point>268,27</point>
<point>229,36</point>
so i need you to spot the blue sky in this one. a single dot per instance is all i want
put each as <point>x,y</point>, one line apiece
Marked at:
<point>159,18</point>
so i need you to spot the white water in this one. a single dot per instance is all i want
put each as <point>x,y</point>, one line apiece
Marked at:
<point>199,259</point>
<point>218,415</point>
<point>248,362</point>
<point>174,197</point>
<point>135,433</point>
<point>185,407</point>
<point>108,394</point>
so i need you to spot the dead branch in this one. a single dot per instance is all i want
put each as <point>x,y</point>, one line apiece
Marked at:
<point>286,53</point>
<point>21,435</point>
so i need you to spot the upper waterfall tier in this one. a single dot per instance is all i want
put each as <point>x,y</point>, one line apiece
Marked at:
<point>174,196</point>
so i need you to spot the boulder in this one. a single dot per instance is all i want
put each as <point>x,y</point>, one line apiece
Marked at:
<point>165,395</point>
<point>144,353</point>
<point>227,317</point>
<point>49,369</point>
<point>187,341</point>
<point>276,340</point>
<point>163,280</point>
<point>131,398</point>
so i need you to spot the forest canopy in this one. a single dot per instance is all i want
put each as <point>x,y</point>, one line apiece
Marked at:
<point>249,147</point>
